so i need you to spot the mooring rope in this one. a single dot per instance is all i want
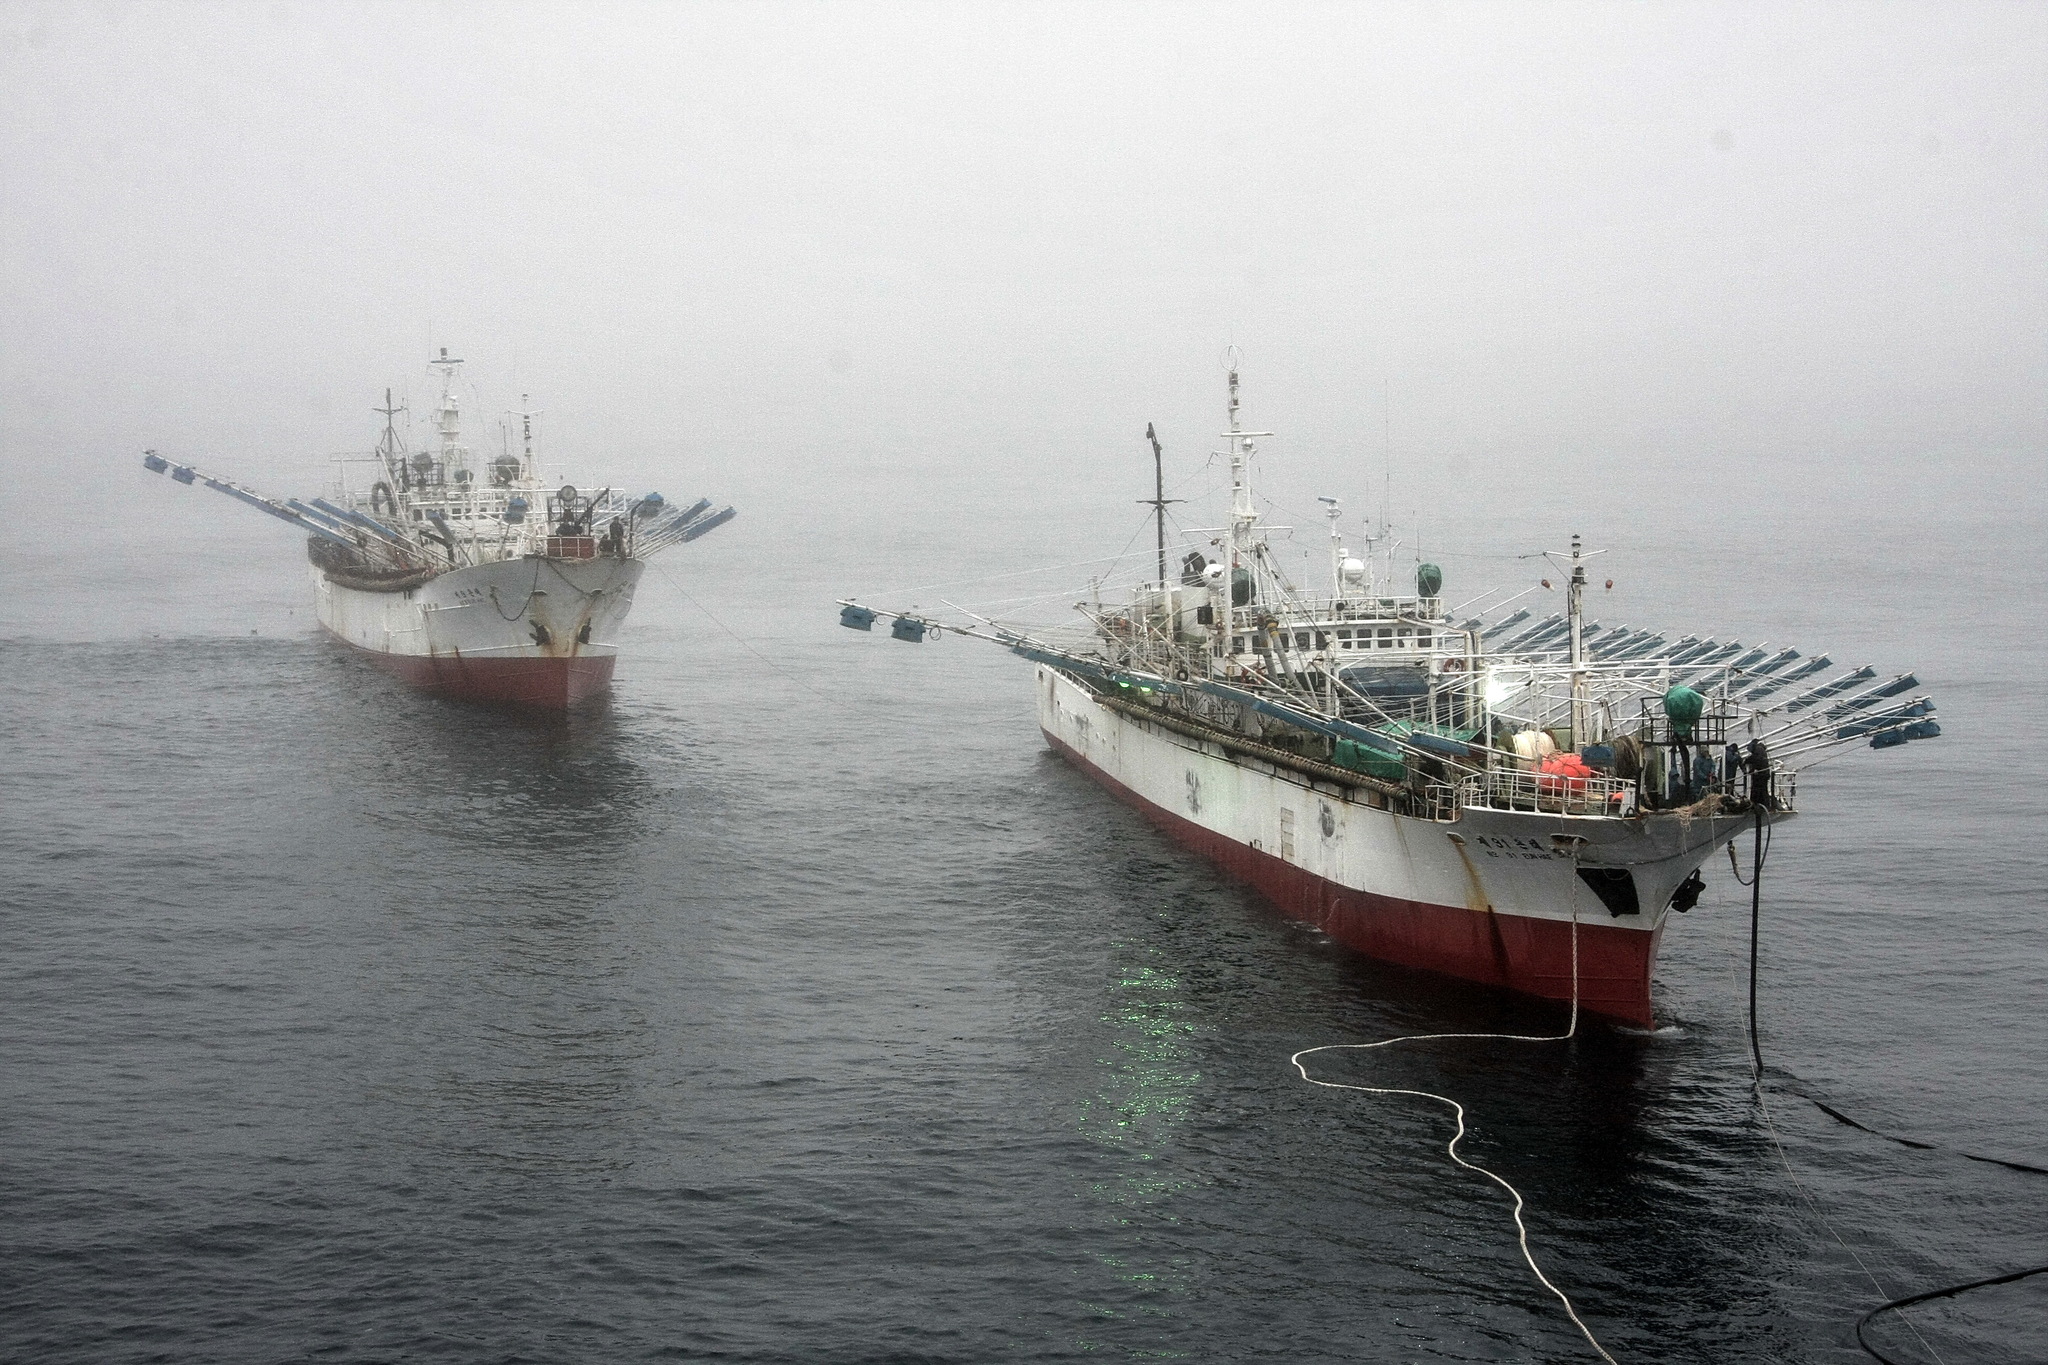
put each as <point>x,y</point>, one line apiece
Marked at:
<point>1458,1110</point>
<point>531,593</point>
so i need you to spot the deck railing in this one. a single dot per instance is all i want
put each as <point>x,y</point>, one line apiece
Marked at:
<point>1654,727</point>
<point>1555,793</point>
<point>1440,802</point>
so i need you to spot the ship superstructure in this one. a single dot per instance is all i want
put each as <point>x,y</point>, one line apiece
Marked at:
<point>1516,801</point>
<point>474,578</point>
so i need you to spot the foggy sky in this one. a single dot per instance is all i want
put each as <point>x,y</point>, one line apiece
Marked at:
<point>803,246</point>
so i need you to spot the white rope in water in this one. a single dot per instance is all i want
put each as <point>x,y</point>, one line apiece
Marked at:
<point>1521,1229</point>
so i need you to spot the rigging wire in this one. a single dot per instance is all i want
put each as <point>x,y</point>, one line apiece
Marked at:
<point>1020,573</point>
<point>1458,1110</point>
<point>738,638</point>
<point>1062,594</point>
<point>1206,467</point>
<point>1140,530</point>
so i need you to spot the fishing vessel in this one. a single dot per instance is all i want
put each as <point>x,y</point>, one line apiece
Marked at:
<point>473,578</point>
<point>1516,801</point>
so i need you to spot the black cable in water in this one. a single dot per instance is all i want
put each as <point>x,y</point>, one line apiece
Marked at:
<point>1942,1293</point>
<point>1915,1143</point>
<point>1756,913</point>
<point>1759,797</point>
<point>1756,1053</point>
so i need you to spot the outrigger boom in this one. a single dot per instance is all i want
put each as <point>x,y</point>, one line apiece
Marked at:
<point>1432,788</point>
<point>473,577</point>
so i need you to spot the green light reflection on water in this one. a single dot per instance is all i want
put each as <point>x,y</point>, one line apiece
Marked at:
<point>1145,1090</point>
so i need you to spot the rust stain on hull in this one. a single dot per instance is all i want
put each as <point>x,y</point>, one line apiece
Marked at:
<point>1475,890</point>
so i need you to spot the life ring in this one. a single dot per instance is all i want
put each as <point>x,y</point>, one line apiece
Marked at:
<point>1454,665</point>
<point>382,499</point>
<point>1180,675</point>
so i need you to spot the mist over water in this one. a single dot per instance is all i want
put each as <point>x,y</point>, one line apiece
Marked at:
<point>814,1011</point>
<point>796,1004</point>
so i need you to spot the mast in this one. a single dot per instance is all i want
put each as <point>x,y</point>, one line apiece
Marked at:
<point>1158,501</point>
<point>1240,456</point>
<point>1333,509</point>
<point>387,448</point>
<point>1575,590</point>
<point>1242,514</point>
<point>454,455</point>
<point>526,432</point>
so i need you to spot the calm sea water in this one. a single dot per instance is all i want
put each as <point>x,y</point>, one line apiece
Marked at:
<point>814,1012</point>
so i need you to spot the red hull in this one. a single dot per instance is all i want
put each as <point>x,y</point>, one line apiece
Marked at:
<point>1533,956</point>
<point>545,684</point>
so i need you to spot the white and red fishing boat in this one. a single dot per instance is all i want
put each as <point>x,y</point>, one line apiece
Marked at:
<point>474,579</point>
<point>1518,802</point>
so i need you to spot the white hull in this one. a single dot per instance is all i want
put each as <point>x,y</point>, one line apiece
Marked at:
<point>532,608</point>
<point>1490,895</point>
<point>532,632</point>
